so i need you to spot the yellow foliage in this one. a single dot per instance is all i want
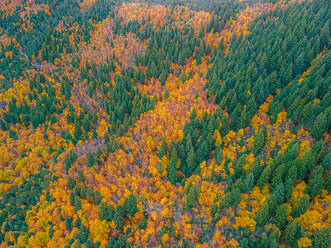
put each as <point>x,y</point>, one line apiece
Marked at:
<point>304,147</point>
<point>22,240</point>
<point>165,212</point>
<point>311,220</point>
<point>304,242</point>
<point>244,222</point>
<point>41,239</point>
<point>99,230</point>
<point>165,238</point>
<point>298,191</point>
<point>233,243</point>
<point>217,137</point>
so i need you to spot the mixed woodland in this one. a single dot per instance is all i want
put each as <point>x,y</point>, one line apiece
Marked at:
<point>165,123</point>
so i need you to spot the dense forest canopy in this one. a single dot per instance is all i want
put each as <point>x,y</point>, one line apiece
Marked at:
<point>165,123</point>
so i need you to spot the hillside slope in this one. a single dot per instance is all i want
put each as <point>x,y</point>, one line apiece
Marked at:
<point>165,124</point>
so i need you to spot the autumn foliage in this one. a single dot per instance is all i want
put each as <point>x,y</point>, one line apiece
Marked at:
<point>148,125</point>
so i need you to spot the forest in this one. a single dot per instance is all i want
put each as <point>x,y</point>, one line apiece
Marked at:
<point>165,123</point>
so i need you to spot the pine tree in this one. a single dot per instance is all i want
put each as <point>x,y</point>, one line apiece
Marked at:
<point>90,159</point>
<point>301,208</point>
<point>299,65</point>
<point>193,114</point>
<point>77,131</point>
<point>319,126</point>
<point>166,94</point>
<point>119,217</point>
<point>259,141</point>
<point>103,211</point>
<point>235,117</point>
<point>163,77</point>
<point>289,188</point>
<point>181,60</point>
<point>219,155</point>
<point>290,233</point>
<point>243,119</point>
<point>77,203</point>
<point>322,238</point>
<point>262,215</point>
<point>280,192</point>
<point>235,197</point>
<point>192,196</point>
<point>172,171</point>
<point>249,182</point>
<point>130,205</point>
<point>71,183</point>
<point>280,217</point>
<point>225,125</point>
<point>106,212</point>
<point>202,31</point>
<point>225,203</point>
<point>328,182</point>
<point>325,35</point>
<point>97,197</point>
<point>264,178</point>
<point>163,149</point>
<point>292,171</point>
<point>315,185</point>
<point>143,222</point>
<point>272,203</point>
<point>86,125</point>
<point>277,176</point>
<point>83,235</point>
<point>191,162</point>
<point>69,223</point>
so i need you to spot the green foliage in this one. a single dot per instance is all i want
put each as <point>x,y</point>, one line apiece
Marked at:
<point>106,212</point>
<point>280,193</point>
<point>259,141</point>
<point>301,208</point>
<point>322,238</point>
<point>262,215</point>
<point>172,169</point>
<point>193,114</point>
<point>21,199</point>
<point>235,197</point>
<point>130,205</point>
<point>192,196</point>
<point>119,216</point>
<point>97,197</point>
<point>280,217</point>
<point>270,59</point>
<point>143,222</point>
<point>249,183</point>
<point>71,183</point>
<point>264,178</point>
<point>90,159</point>
<point>316,181</point>
<point>70,159</point>
<point>83,234</point>
<point>120,242</point>
<point>163,149</point>
<point>290,234</point>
